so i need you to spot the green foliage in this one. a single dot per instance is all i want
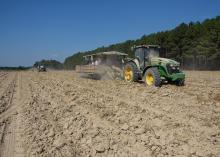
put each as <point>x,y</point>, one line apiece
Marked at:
<point>51,64</point>
<point>186,40</point>
<point>72,61</point>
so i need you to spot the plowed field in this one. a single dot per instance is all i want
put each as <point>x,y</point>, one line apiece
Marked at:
<point>61,114</point>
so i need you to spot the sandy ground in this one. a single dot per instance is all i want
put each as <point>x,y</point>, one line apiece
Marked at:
<point>61,114</point>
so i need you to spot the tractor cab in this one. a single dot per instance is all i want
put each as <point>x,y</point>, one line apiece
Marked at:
<point>41,68</point>
<point>143,53</point>
<point>148,66</point>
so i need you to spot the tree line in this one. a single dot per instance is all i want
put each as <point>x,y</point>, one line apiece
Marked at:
<point>195,45</point>
<point>14,68</point>
<point>51,64</point>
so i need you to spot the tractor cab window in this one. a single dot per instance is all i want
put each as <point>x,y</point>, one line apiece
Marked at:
<point>139,53</point>
<point>87,60</point>
<point>151,52</point>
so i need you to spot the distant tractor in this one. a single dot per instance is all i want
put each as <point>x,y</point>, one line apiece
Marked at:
<point>148,66</point>
<point>41,68</point>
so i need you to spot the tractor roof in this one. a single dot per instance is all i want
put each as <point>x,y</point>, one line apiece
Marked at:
<point>145,46</point>
<point>112,53</point>
<point>107,53</point>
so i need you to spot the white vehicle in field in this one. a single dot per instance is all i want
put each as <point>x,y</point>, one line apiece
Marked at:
<point>41,68</point>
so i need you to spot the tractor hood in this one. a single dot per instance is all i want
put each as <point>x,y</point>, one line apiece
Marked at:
<point>158,60</point>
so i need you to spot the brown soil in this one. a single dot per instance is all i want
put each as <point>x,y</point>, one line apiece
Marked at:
<point>62,114</point>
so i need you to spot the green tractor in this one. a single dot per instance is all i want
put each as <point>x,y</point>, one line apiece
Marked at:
<point>148,66</point>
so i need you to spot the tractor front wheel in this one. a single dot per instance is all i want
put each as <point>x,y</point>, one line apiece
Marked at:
<point>180,82</point>
<point>130,72</point>
<point>152,77</point>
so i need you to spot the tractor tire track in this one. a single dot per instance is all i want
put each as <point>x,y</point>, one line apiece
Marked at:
<point>11,145</point>
<point>7,97</point>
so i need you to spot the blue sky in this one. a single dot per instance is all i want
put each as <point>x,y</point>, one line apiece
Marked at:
<point>31,30</point>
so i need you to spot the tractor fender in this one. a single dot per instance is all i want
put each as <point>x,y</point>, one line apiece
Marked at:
<point>160,68</point>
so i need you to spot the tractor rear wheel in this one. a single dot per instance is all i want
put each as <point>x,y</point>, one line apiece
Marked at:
<point>130,72</point>
<point>152,77</point>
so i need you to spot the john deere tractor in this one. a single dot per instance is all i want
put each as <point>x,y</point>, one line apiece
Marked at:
<point>148,66</point>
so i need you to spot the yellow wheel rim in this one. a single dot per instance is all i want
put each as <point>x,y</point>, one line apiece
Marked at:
<point>128,74</point>
<point>149,79</point>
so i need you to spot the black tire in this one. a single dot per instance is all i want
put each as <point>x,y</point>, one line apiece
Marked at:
<point>180,82</point>
<point>135,72</point>
<point>154,73</point>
